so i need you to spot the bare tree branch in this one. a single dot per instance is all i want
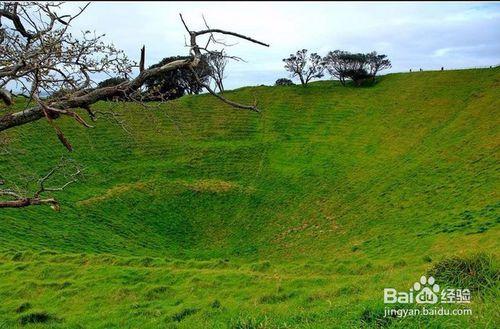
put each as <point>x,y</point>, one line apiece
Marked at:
<point>217,62</point>
<point>225,100</point>
<point>143,55</point>
<point>13,199</point>
<point>241,36</point>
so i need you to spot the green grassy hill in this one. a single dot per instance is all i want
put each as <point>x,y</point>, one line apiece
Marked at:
<point>197,215</point>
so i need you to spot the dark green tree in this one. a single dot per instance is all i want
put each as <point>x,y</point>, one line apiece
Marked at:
<point>357,67</point>
<point>283,82</point>
<point>111,82</point>
<point>176,83</point>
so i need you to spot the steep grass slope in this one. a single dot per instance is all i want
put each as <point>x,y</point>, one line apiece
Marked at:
<point>198,215</point>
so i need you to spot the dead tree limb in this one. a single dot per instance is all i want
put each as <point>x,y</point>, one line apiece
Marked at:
<point>143,55</point>
<point>223,99</point>
<point>14,199</point>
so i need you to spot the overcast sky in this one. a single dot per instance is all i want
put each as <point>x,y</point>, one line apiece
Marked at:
<point>413,35</point>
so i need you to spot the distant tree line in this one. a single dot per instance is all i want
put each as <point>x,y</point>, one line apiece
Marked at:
<point>340,64</point>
